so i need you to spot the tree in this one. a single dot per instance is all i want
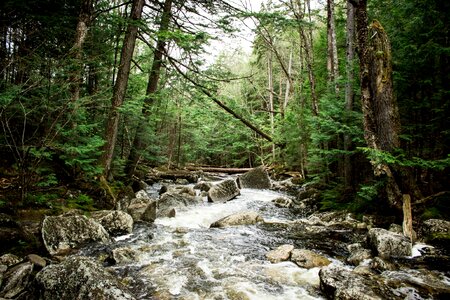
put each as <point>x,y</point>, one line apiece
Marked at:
<point>120,87</point>
<point>139,142</point>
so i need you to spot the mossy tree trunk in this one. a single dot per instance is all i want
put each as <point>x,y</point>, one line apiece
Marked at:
<point>380,110</point>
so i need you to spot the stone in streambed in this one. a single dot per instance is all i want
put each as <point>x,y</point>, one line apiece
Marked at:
<point>389,244</point>
<point>282,253</point>
<point>223,191</point>
<point>308,259</point>
<point>79,278</point>
<point>256,178</point>
<point>63,233</point>
<point>242,218</point>
<point>115,222</point>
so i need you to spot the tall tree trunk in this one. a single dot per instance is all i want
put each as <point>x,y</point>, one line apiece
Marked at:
<point>139,142</point>
<point>288,91</point>
<point>332,57</point>
<point>381,117</point>
<point>271,93</point>
<point>84,19</point>
<point>349,94</point>
<point>120,87</point>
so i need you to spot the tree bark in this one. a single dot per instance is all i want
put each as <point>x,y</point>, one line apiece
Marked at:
<point>271,92</point>
<point>84,19</point>
<point>332,57</point>
<point>381,117</point>
<point>139,142</point>
<point>120,87</point>
<point>349,94</point>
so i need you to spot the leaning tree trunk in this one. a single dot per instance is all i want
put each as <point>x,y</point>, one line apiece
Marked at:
<point>381,117</point>
<point>120,87</point>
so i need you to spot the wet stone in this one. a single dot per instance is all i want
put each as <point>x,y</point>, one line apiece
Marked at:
<point>282,253</point>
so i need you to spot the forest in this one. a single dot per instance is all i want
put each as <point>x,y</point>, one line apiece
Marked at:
<point>350,97</point>
<point>108,89</point>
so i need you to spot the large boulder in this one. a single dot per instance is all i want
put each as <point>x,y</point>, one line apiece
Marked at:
<point>79,278</point>
<point>170,201</point>
<point>308,259</point>
<point>223,191</point>
<point>389,244</point>
<point>338,282</point>
<point>115,222</point>
<point>65,232</point>
<point>203,186</point>
<point>242,218</point>
<point>16,280</point>
<point>358,254</point>
<point>435,230</point>
<point>142,209</point>
<point>282,253</point>
<point>256,178</point>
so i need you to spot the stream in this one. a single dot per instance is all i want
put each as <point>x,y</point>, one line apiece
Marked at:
<point>185,259</point>
<point>182,258</point>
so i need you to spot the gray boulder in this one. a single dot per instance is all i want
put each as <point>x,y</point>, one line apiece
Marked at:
<point>308,259</point>
<point>387,244</point>
<point>241,218</point>
<point>256,178</point>
<point>9,259</point>
<point>143,208</point>
<point>282,253</point>
<point>282,202</point>
<point>170,201</point>
<point>115,222</point>
<point>223,191</point>
<point>63,233</point>
<point>203,186</point>
<point>357,254</point>
<point>338,282</point>
<point>79,278</point>
<point>16,280</point>
<point>435,230</point>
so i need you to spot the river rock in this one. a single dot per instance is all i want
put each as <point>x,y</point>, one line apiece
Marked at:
<point>387,244</point>
<point>123,255</point>
<point>9,259</point>
<point>223,191</point>
<point>115,222</point>
<point>62,233</point>
<point>282,253</point>
<point>241,218</point>
<point>79,277</point>
<point>256,178</point>
<point>142,209</point>
<point>435,230</point>
<point>16,280</point>
<point>170,201</point>
<point>203,186</point>
<point>357,254</point>
<point>338,282</point>
<point>37,260</point>
<point>282,202</point>
<point>308,259</point>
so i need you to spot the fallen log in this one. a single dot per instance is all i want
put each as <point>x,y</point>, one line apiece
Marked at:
<point>219,170</point>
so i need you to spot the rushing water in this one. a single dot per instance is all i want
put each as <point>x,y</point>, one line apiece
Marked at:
<point>186,259</point>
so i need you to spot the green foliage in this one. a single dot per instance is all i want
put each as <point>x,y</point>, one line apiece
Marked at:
<point>399,158</point>
<point>42,199</point>
<point>82,201</point>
